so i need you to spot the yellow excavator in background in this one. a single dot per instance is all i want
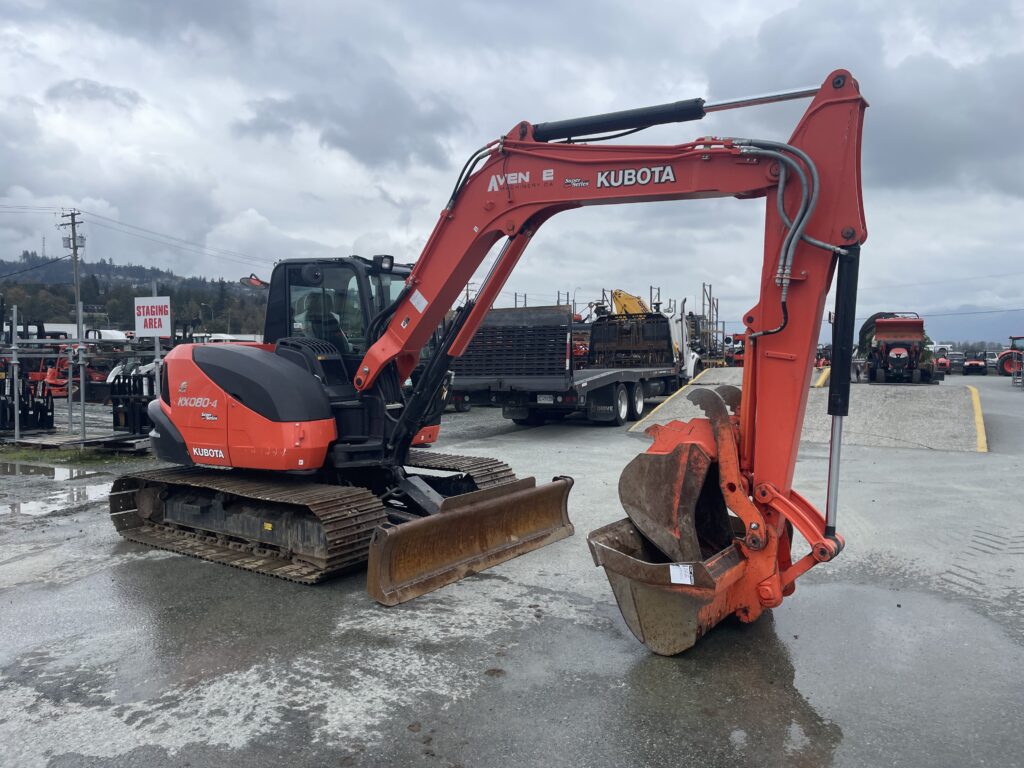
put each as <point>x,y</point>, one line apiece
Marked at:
<point>627,304</point>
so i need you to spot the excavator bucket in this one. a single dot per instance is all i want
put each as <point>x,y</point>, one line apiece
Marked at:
<point>470,533</point>
<point>672,561</point>
<point>667,606</point>
<point>669,600</point>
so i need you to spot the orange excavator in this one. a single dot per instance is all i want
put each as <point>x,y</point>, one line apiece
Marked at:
<point>296,456</point>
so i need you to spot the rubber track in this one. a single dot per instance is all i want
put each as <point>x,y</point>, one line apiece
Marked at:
<point>348,515</point>
<point>486,473</point>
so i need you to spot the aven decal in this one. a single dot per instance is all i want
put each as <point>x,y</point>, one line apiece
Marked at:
<point>208,453</point>
<point>499,181</point>
<point>657,174</point>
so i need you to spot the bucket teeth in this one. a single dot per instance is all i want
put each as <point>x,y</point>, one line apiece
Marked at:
<point>731,395</point>
<point>712,404</point>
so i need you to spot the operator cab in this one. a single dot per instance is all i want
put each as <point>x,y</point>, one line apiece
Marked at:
<point>331,300</point>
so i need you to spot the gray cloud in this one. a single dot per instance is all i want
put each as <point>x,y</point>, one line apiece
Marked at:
<point>379,123</point>
<point>82,89</point>
<point>931,121</point>
<point>178,20</point>
<point>280,128</point>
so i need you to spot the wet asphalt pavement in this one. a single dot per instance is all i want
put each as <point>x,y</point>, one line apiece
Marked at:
<point>906,650</point>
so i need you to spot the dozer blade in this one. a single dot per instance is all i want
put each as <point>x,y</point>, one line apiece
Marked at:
<point>470,533</point>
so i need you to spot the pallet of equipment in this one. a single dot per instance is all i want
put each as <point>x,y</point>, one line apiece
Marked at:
<point>118,442</point>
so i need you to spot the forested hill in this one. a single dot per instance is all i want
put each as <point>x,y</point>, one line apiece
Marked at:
<point>44,291</point>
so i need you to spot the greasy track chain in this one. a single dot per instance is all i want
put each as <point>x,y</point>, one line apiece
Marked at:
<point>486,473</point>
<point>348,516</point>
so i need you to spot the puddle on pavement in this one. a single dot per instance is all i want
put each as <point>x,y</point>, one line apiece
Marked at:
<point>61,495</point>
<point>54,473</point>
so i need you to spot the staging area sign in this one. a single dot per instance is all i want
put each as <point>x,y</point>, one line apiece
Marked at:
<point>152,316</point>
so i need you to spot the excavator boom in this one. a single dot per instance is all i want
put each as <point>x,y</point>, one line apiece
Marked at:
<point>725,481</point>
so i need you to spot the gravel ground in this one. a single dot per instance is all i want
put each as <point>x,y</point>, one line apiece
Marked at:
<point>906,650</point>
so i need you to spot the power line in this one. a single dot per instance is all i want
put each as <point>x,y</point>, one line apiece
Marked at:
<point>7,208</point>
<point>953,280</point>
<point>159,238</point>
<point>187,248</point>
<point>36,266</point>
<point>211,249</point>
<point>976,312</point>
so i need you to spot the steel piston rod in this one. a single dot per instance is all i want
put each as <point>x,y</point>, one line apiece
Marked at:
<point>832,499</point>
<point>659,114</point>
<point>764,98</point>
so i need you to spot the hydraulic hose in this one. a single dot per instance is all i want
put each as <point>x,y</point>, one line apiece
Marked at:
<point>794,228</point>
<point>808,200</point>
<point>428,386</point>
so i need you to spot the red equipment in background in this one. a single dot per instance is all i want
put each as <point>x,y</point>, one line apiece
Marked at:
<point>1010,360</point>
<point>735,350</point>
<point>895,346</point>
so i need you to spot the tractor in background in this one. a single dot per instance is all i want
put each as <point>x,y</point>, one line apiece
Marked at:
<point>1009,360</point>
<point>975,364</point>
<point>896,349</point>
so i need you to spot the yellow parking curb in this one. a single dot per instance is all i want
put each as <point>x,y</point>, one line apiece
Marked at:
<point>667,400</point>
<point>979,420</point>
<point>823,378</point>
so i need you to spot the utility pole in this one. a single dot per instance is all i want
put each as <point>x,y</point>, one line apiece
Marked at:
<point>73,243</point>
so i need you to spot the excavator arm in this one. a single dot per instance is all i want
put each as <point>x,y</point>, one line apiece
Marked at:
<point>814,223</point>
<point>522,182</point>
<point>624,303</point>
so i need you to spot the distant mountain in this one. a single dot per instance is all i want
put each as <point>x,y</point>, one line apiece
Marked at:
<point>31,268</point>
<point>43,290</point>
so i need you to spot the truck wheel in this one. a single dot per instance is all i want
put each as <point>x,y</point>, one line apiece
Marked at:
<point>462,405</point>
<point>533,419</point>
<point>620,402</point>
<point>880,375</point>
<point>636,401</point>
<point>915,376</point>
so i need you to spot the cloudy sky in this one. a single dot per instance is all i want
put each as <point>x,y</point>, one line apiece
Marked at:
<point>258,130</point>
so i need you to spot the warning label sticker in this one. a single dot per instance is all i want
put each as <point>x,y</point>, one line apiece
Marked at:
<point>419,301</point>
<point>679,573</point>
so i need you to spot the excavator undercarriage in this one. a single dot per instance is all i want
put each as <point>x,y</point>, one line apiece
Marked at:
<point>305,531</point>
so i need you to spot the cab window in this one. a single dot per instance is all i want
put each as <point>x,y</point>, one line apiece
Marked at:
<point>328,308</point>
<point>386,288</point>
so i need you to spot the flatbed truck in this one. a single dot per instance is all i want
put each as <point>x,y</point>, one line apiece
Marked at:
<point>524,359</point>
